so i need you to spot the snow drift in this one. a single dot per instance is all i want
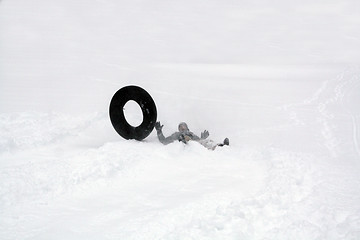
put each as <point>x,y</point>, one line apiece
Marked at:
<point>282,81</point>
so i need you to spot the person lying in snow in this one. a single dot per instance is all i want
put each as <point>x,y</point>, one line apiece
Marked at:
<point>184,135</point>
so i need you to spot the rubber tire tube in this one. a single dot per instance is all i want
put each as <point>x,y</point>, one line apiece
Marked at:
<point>117,117</point>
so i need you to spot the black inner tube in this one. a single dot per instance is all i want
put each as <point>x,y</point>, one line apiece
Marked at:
<point>148,108</point>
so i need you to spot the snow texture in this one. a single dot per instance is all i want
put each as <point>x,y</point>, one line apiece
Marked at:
<point>281,80</point>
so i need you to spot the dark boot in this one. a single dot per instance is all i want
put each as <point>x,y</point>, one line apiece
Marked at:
<point>226,142</point>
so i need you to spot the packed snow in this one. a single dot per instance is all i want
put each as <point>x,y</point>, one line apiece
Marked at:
<point>281,80</point>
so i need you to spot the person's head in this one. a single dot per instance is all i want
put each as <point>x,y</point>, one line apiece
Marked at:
<point>183,127</point>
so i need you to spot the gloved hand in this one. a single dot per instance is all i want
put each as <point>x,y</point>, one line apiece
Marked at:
<point>205,134</point>
<point>158,126</point>
<point>184,138</point>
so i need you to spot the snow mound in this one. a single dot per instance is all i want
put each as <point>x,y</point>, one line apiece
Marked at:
<point>137,190</point>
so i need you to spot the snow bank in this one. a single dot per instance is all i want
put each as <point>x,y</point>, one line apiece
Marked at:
<point>281,80</point>
<point>57,182</point>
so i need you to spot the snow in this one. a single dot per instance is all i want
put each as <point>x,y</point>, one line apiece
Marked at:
<point>281,80</point>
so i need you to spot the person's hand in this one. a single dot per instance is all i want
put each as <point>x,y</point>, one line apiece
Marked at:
<point>184,138</point>
<point>158,126</point>
<point>205,134</point>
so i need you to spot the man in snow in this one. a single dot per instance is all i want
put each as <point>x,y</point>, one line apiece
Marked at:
<point>184,135</point>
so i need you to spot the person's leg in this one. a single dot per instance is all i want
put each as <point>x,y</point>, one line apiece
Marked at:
<point>209,144</point>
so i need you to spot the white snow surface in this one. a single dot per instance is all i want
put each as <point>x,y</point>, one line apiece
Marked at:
<point>280,79</point>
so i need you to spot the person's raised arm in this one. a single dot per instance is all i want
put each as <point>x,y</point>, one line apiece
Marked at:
<point>162,138</point>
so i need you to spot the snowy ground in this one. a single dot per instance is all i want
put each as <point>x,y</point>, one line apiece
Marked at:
<point>281,80</point>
